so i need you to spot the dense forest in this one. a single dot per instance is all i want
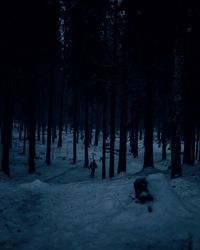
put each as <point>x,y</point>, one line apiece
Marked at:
<point>100,68</point>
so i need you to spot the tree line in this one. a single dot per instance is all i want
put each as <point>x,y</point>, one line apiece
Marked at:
<point>106,66</point>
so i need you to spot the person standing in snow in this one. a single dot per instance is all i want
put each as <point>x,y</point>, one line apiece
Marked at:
<point>92,166</point>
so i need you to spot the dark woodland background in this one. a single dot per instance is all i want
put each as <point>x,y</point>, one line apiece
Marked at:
<point>126,66</point>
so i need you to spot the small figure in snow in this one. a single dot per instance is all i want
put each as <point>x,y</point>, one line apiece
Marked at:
<point>92,166</point>
<point>141,191</point>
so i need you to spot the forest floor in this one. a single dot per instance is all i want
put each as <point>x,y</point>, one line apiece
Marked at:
<point>61,207</point>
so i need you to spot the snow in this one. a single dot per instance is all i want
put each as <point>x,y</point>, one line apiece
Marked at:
<point>60,207</point>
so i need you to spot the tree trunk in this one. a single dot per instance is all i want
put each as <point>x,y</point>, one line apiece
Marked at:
<point>50,118</point>
<point>24,144</point>
<point>134,128</point>
<point>54,132</point>
<point>86,142</point>
<point>38,131</point>
<point>31,122</point>
<point>176,169</point>
<point>104,140</point>
<point>135,143</point>
<point>61,111</point>
<point>39,119</point>
<point>20,130</point>
<point>197,142</point>
<point>1,133</point>
<point>164,131</point>
<point>6,129</point>
<point>97,115</point>
<point>123,132</point>
<point>91,113</point>
<point>113,92</point>
<point>189,139</point>
<point>96,140</point>
<point>43,133</point>
<point>75,128</point>
<point>140,134</point>
<point>159,136</point>
<point>148,154</point>
<point>112,133</point>
<point>31,145</point>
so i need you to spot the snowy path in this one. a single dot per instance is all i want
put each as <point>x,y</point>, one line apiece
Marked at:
<point>19,211</point>
<point>96,215</point>
<point>60,207</point>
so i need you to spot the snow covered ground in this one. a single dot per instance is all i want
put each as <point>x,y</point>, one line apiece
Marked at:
<point>60,207</point>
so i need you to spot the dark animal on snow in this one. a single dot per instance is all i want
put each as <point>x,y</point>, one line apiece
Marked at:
<point>141,190</point>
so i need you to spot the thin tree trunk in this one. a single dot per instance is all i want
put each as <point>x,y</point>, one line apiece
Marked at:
<point>140,134</point>
<point>135,135</point>
<point>20,130</point>
<point>159,135</point>
<point>104,140</point>
<point>164,146</point>
<point>1,133</point>
<point>38,131</point>
<point>61,111</point>
<point>31,145</point>
<point>96,140</point>
<point>43,134</point>
<point>97,115</point>
<point>197,142</point>
<point>91,113</point>
<point>24,139</point>
<point>164,131</point>
<point>199,154</point>
<point>39,119</point>
<point>123,132</point>
<point>133,129</point>
<point>6,130</point>
<point>32,128</point>
<point>176,169</point>
<point>75,128</point>
<point>50,119</point>
<point>189,141</point>
<point>135,143</point>
<point>112,133</point>
<point>86,142</point>
<point>113,93</point>
<point>148,154</point>
<point>54,134</point>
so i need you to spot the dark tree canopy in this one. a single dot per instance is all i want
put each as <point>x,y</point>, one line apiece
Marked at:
<point>103,68</point>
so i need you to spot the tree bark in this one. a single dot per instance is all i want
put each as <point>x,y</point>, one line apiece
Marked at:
<point>32,128</point>
<point>50,118</point>
<point>197,142</point>
<point>123,132</point>
<point>6,129</point>
<point>176,169</point>
<point>61,111</point>
<point>75,127</point>
<point>97,115</point>
<point>148,154</point>
<point>43,133</point>
<point>164,130</point>
<point>86,141</point>
<point>20,130</point>
<point>112,133</point>
<point>134,128</point>
<point>189,143</point>
<point>31,145</point>
<point>104,140</point>
<point>24,139</point>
